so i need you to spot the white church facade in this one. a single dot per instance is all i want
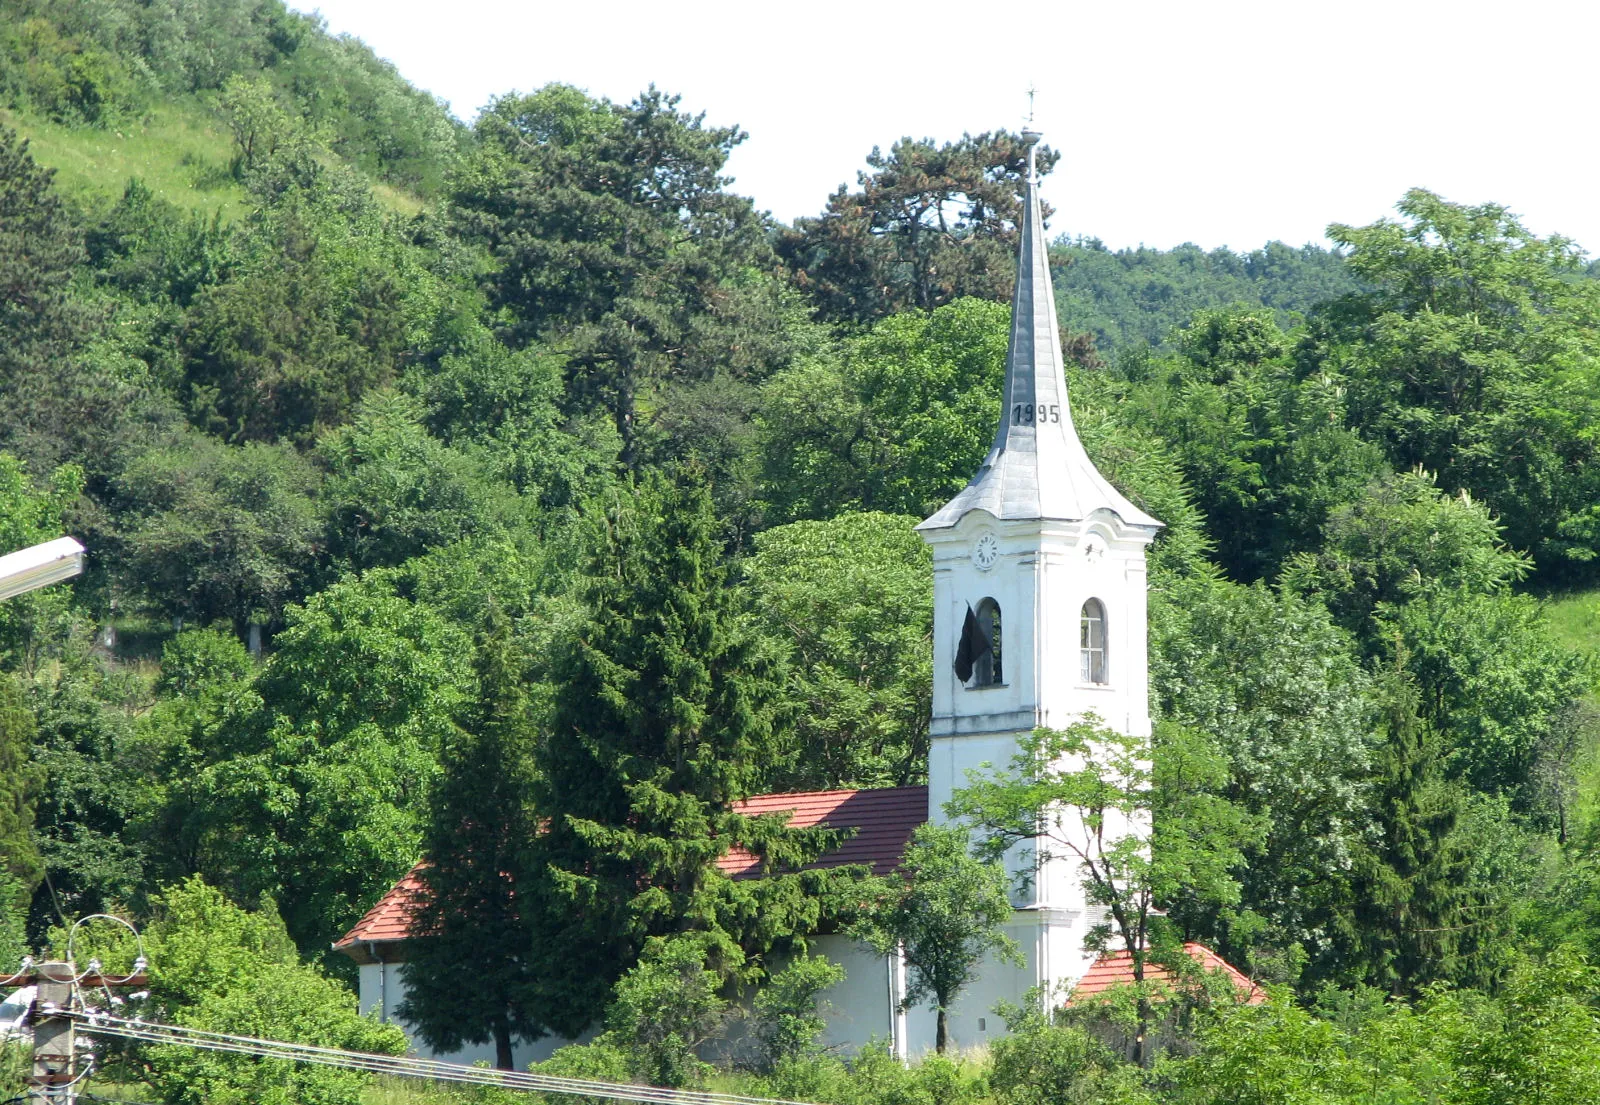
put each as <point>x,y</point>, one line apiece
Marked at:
<point>1039,620</point>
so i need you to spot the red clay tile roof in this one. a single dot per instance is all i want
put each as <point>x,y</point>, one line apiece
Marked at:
<point>884,820</point>
<point>1116,969</point>
<point>389,920</point>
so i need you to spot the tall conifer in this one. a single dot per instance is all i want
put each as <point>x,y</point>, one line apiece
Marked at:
<point>662,718</point>
<point>467,979</point>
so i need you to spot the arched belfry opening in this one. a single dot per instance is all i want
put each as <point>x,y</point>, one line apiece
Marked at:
<point>978,654</point>
<point>1092,643</point>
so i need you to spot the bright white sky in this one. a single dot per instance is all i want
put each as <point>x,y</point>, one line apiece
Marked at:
<point>1221,122</point>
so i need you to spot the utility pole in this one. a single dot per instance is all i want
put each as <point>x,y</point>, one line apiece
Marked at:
<point>54,1042</point>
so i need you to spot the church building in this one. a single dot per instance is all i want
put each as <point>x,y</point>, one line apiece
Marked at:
<point>1039,619</point>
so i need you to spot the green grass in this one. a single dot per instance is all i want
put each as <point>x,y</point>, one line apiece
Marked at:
<point>180,153</point>
<point>1574,617</point>
<point>179,149</point>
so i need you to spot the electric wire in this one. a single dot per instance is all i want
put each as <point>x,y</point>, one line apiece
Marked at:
<point>102,1024</point>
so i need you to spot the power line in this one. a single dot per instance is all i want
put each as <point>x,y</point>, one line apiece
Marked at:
<point>102,1024</point>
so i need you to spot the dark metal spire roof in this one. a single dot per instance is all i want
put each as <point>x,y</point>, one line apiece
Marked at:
<point>1036,468</point>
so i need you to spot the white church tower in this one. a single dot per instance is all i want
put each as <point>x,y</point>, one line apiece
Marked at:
<point>1039,617</point>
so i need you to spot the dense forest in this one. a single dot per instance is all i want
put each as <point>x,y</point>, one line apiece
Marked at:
<point>514,495</point>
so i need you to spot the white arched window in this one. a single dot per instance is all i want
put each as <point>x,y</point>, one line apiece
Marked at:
<point>1092,642</point>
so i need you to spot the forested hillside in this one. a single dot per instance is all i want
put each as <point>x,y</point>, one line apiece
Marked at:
<point>1132,297</point>
<point>515,496</point>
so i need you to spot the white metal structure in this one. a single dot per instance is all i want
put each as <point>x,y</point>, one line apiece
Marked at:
<point>39,566</point>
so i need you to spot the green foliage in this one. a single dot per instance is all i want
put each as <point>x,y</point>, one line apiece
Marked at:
<point>1139,823</point>
<point>53,407</point>
<point>394,491</point>
<point>897,423</point>
<point>216,967</point>
<point>1040,1062</point>
<point>1473,355</point>
<point>669,1003</point>
<point>1401,539</point>
<point>928,226</point>
<point>319,314</point>
<point>506,408</point>
<point>20,780</point>
<point>614,239</point>
<point>480,822</point>
<point>1267,453</point>
<point>661,718</point>
<point>848,600</point>
<point>14,896</point>
<point>312,793</point>
<point>216,532</point>
<point>82,705</point>
<point>1139,297</point>
<point>945,917</point>
<point>1277,689</point>
<point>788,1013</point>
<point>1491,677</point>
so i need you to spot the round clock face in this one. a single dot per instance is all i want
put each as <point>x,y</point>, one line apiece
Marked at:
<point>986,551</point>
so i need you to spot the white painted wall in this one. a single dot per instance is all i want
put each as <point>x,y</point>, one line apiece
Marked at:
<point>1044,574</point>
<point>387,980</point>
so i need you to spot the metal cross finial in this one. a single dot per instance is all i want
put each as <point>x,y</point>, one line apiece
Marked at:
<point>1031,91</point>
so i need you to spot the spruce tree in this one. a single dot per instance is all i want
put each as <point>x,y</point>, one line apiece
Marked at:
<point>661,719</point>
<point>1414,918</point>
<point>466,980</point>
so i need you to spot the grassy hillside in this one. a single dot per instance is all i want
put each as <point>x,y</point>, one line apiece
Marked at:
<point>1575,618</point>
<point>108,90</point>
<point>181,155</point>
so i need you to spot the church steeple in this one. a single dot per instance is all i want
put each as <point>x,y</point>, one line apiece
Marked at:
<point>1037,468</point>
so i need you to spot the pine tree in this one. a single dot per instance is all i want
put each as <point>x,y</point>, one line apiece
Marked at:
<point>661,719</point>
<point>481,821</point>
<point>50,406</point>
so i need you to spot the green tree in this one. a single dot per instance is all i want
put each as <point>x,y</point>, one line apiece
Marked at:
<point>259,124</point>
<point>1492,678</point>
<point>944,917</point>
<point>898,422</point>
<point>1267,454</point>
<point>670,1003</point>
<point>215,532</point>
<point>82,705</point>
<point>616,243</point>
<point>394,491</point>
<point>661,718</point>
<point>1403,538</point>
<point>505,407</point>
<point>217,968</point>
<point>849,601</point>
<point>1416,917</point>
<point>1279,691</point>
<point>20,779</point>
<point>1475,353</point>
<point>927,226</point>
<point>315,797</point>
<point>788,1010</point>
<point>1142,833</point>
<point>53,406</point>
<point>467,916</point>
